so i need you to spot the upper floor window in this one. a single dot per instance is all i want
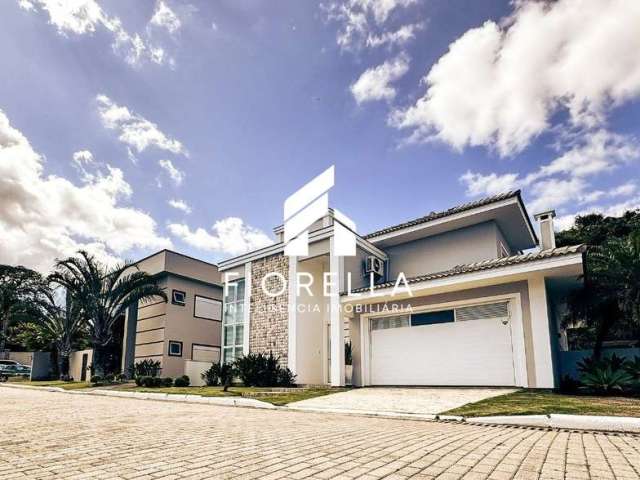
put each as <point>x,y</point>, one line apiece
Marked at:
<point>178,297</point>
<point>233,321</point>
<point>207,308</point>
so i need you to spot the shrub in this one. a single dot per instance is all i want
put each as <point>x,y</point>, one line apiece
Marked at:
<point>569,385</point>
<point>147,381</point>
<point>604,380</point>
<point>121,377</point>
<point>348,358</point>
<point>146,368</point>
<point>138,381</point>
<point>182,381</point>
<point>109,378</point>
<point>167,382</point>
<point>260,370</point>
<point>633,368</point>
<point>96,379</point>
<point>211,376</point>
<point>219,373</point>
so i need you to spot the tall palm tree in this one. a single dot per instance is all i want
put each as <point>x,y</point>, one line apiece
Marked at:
<point>612,287</point>
<point>103,294</point>
<point>20,292</point>
<point>63,323</point>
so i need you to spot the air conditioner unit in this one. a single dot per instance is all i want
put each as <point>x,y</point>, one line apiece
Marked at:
<point>374,265</point>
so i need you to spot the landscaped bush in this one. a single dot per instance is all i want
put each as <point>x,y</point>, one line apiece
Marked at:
<point>121,377</point>
<point>167,382</point>
<point>607,375</point>
<point>109,378</point>
<point>182,381</point>
<point>147,381</point>
<point>97,380</point>
<point>146,368</point>
<point>259,370</point>
<point>219,373</point>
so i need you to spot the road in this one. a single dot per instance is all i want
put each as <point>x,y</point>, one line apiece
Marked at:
<point>47,435</point>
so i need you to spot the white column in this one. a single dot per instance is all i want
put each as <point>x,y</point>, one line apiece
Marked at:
<point>540,325</point>
<point>292,350</point>
<point>335,316</point>
<point>247,308</point>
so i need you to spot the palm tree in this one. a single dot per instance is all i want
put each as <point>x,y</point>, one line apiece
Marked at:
<point>612,287</point>
<point>21,289</point>
<point>103,295</point>
<point>62,323</point>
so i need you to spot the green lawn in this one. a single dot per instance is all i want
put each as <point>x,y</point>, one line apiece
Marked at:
<point>52,383</point>
<point>545,402</point>
<point>261,394</point>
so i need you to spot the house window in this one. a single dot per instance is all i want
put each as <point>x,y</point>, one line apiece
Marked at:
<point>432,318</point>
<point>178,297</point>
<point>175,348</point>
<point>233,322</point>
<point>207,308</point>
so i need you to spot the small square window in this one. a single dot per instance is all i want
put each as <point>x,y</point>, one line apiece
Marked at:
<point>175,348</point>
<point>178,297</point>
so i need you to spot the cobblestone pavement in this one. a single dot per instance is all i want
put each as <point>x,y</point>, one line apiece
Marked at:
<point>55,435</point>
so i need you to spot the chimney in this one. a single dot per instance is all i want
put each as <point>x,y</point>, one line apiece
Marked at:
<point>547,234</point>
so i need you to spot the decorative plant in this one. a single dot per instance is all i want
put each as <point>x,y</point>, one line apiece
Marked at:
<point>147,368</point>
<point>182,381</point>
<point>605,381</point>
<point>219,373</point>
<point>348,359</point>
<point>210,376</point>
<point>260,370</point>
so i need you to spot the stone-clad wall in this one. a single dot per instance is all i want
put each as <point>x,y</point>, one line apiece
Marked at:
<point>269,315</point>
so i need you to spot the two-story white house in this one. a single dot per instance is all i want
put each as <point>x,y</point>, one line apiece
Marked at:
<point>467,296</point>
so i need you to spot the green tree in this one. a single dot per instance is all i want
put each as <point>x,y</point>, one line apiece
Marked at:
<point>62,324</point>
<point>21,292</point>
<point>612,287</point>
<point>103,294</point>
<point>596,229</point>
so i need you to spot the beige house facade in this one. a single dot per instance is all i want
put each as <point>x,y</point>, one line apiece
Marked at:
<point>186,328</point>
<point>464,297</point>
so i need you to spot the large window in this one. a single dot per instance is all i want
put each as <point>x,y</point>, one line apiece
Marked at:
<point>233,322</point>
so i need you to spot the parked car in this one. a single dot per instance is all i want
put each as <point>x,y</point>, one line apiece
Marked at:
<point>11,368</point>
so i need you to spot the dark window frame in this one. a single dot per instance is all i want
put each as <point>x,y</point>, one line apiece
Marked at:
<point>195,300</point>
<point>174,342</point>
<point>173,298</point>
<point>437,315</point>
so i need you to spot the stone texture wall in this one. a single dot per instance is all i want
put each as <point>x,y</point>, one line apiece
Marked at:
<point>269,315</point>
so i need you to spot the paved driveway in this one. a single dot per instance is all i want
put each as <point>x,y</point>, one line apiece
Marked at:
<point>402,400</point>
<point>55,435</point>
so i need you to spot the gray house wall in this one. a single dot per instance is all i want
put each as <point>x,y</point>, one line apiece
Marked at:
<point>444,251</point>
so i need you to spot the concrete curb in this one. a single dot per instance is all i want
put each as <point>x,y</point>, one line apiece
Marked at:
<point>565,422</point>
<point>163,397</point>
<point>555,421</point>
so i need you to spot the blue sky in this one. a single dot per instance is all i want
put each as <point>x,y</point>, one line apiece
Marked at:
<point>112,109</point>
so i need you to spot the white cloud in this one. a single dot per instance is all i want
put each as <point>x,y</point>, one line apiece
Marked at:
<point>500,84</point>
<point>401,36</point>
<point>82,17</point>
<point>164,17</point>
<point>135,130</point>
<point>83,157</point>
<point>174,173</point>
<point>564,179</point>
<point>44,217</point>
<point>624,190</point>
<point>362,23</point>
<point>229,235</point>
<point>180,205</point>
<point>374,83</point>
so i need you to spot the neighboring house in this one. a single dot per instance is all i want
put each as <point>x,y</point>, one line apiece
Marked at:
<point>186,327</point>
<point>479,311</point>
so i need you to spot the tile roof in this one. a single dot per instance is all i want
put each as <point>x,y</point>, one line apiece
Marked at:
<point>485,265</point>
<point>445,213</point>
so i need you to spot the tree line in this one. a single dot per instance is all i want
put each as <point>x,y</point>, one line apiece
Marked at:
<point>77,304</point>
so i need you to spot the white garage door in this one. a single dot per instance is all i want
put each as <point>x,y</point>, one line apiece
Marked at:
<point>463,346</point>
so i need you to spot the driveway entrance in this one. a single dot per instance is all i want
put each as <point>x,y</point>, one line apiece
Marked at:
<point>424,401</point>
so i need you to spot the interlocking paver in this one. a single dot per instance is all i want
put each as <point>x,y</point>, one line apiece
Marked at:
<point>53,436</point>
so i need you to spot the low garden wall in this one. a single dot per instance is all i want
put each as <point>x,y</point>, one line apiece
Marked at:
<point>568,361</point>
